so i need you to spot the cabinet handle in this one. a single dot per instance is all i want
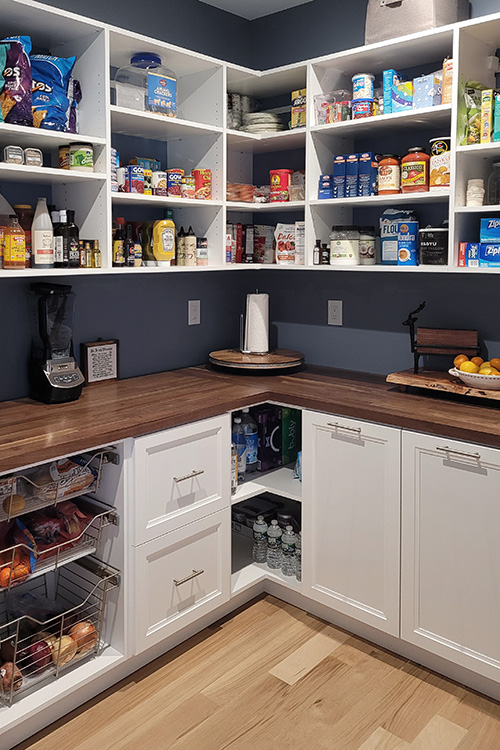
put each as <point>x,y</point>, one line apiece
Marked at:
<point>194,473</point>
<point>179,581</point>
<point>445,449</point>
<point>344,427</point>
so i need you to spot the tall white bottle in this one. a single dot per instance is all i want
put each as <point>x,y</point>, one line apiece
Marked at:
<point>42,237</point>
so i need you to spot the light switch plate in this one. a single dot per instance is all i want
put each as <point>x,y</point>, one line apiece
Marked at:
<point>334,312</point>
<point>194,312</point>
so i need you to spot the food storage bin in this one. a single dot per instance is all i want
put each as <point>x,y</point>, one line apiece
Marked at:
<point>147,85</point>
<point>386,19</point>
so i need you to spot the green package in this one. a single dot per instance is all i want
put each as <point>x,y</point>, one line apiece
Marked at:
<point>291,420</point>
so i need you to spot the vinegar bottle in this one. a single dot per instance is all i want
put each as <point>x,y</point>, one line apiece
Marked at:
<point>15,244</point>
<point>42,237</point>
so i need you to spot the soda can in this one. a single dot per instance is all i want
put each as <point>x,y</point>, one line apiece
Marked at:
<point>159,183</point>
<point>407,243</point>
<point>174,177</point>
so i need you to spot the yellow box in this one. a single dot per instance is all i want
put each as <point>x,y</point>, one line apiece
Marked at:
<point>486,115</point>
<point>299,99</point>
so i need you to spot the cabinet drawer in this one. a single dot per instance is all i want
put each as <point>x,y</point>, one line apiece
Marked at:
<point>181,475</point>
<point>180,577</point>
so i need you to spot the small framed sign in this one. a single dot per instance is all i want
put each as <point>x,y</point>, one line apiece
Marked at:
<point>99,360</point>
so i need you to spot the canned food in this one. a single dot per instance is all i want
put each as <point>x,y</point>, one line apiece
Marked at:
<point>202,184</point>
<point>13,155</point>
<point>280,185</point>
<point>134,179</point>
<point>174,177</point>
<point>188,188</point>
<point>362,108</point>
<point>439,165</point>
<point>362,86</point>
<point>159,183</point>
<point>148,182</point>
<point>81,157</point>
<point>63,157</point>
<point>33,157</point>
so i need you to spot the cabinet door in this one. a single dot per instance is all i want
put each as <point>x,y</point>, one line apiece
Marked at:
<point>181,475</point>
<point>451,550</point>
<point>351,508</point>
<point>180,577</point>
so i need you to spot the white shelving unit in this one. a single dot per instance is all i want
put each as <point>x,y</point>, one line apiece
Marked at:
<point>198,137</point>
<point>278,481</point>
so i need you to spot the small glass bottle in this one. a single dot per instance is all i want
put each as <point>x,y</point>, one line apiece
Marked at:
<point>83,254</point>
<point>493,188</point>
<point>88,254</point>
<point>15,244</point>
<point>324,255</point>
<point>96,255</point>
<point>317,253</point>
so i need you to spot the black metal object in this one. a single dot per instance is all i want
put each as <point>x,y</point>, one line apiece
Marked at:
<point>410,322</point>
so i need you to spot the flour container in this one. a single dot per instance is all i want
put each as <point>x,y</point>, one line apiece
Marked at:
<point>386,19</point>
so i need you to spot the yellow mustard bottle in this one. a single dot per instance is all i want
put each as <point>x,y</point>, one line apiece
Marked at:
<point>164,240</point>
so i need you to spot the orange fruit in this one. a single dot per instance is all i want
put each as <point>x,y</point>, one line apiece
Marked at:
<point>495,362</point>
<point>468,367</point>
<point>477,361</point>
<point>5,576</point>
<point>21,572</point>
<point>459,359</point>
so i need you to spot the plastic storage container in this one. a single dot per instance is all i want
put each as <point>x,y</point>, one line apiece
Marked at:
<point>147,85</point>
<point>344,246</point>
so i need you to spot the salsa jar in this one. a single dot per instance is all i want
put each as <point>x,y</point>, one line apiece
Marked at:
<point>415,171</point>
<point>389,175</point>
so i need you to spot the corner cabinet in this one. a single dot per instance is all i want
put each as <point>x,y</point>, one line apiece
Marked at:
<point>351,516</point>
<point>451,551</point>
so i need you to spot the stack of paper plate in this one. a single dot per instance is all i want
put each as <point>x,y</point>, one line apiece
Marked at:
<point>261,122</point>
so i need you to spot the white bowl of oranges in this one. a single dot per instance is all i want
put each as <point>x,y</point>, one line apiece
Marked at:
<point>477,373</point>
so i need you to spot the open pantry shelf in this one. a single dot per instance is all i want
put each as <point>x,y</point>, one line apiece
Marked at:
<point>155,127</point>
<point>374,200</point>
<point>278,481</point>
<point>25,136</point>
<point>24,173</point>
<point>123,199</point>
<point>258,207</point>
<point>412,119</point>
<point>246,573</point>
<point>261,142</point>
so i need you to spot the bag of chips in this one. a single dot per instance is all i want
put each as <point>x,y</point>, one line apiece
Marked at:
<point>15,99</point>
<point>75,97</point>
<point>51,76</point>
<point>3,58</point>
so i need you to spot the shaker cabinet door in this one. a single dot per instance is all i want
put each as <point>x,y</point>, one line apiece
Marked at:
<point>181,475</point>
<point>451,550</point>
<point>351,507</point>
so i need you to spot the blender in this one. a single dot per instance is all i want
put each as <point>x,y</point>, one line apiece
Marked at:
<point>53,372</point>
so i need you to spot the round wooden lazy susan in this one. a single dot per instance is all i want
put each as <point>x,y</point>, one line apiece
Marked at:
<point>279,359</point>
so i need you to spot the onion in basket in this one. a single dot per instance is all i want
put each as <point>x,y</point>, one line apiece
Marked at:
<point>63,650</point>
<point>10,676</point>
<point>85,636</point>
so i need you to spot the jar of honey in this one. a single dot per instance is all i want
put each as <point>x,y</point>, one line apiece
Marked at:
<point>415,171</point>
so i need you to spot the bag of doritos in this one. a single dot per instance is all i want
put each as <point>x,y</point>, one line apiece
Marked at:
<point>51,76</point>
<point>15,99</point>
<point>3,58</point>
<point>75,97</point>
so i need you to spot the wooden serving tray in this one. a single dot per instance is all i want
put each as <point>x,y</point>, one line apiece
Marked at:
<point>438,381</point>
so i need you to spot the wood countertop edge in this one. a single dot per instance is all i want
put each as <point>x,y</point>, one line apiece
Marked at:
<point>28,436</point>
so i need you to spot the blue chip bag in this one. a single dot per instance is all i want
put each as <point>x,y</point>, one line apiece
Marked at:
<point>51,76</point>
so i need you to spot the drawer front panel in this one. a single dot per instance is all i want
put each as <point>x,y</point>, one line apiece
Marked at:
<point>181,475</point>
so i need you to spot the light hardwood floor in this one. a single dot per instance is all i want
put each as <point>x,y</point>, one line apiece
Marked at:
<point>270,677</point>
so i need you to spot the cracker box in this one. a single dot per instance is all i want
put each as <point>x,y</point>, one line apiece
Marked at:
<point>299,99</point>
<point>447,81</point>
<point>367,173</point>
<point>339,171</point>
<point>486,115</point>
<point>402,96</point>
<point>351,175</point>
<point>389,78</point>
<point>489,230</point>
<point>268,420</point>
<point>427,91</point>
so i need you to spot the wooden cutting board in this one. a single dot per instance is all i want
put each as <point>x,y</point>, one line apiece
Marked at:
<point>438,381</point>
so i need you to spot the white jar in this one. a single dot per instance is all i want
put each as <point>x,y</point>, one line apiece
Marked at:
<point>367,246</point>
<point>344,246</point>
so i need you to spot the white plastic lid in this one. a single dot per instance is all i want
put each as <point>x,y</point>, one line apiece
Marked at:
<point>237,420</point>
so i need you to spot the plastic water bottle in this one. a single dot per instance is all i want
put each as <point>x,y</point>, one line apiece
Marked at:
<point>240,442</point>
<point>234,469</point>
<point>298,557</point>
<point>259,550</point>
<point>274,545</point>
<point>251,435</point>
<point>288,559</point>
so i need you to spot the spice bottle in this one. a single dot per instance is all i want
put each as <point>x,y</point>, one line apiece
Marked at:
<point>415,171</point>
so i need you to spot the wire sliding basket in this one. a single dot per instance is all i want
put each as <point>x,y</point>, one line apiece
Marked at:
<point>14,560</point>
<point>62,626</point>
<point>35,489</point>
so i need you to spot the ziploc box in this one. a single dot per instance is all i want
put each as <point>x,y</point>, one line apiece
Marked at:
<point>290,434</point>
<point>402,96</point>
<point>486,115</point>
<point>339,174</point>
<point>489,230</point>
<point>489,255</point>
<point>351,175</point>
<point>427,91</point>
<point>389,78</point>
<point>269,432</point>
<point>468,254</point>
<point>367,173</point>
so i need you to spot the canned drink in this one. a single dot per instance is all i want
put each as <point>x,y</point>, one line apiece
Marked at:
<point>407,243</point>
<point>202,184</point>
<point>188,187</point>
<point>159,183</point>
<point>121,179</point>
<point>174,177</point>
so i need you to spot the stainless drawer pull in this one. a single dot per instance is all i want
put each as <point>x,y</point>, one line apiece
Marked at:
<point>195,473</point>
<point>477,456</point>
<point>179,581</point>
<point>344,427</point>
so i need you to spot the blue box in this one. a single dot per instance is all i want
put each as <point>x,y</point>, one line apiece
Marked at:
<point>496,117</point>
<point>402,96</point>
<point>489,255</point>
<point>367,173</point>
<point>162,93</point>
<point>339,169</point>
<point>490,230</point>
<point>407,243</point>
<point>351,175</point>
<point>427,91</point>
<point>325,193</point>
<point>389,78</point>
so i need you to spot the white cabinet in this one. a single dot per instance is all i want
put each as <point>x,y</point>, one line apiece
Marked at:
<point>451,551</point>
<point>351,502</point>
<point>180,577</point>
<point>181,475</point>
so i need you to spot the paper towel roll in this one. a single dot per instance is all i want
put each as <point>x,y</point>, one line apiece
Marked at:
<point>257,323</point>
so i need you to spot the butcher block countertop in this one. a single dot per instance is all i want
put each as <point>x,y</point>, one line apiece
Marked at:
<point>31,432</point>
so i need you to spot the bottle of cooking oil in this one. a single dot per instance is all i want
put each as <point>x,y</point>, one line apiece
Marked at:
<point>164,240</point>
<point>15,244</point>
